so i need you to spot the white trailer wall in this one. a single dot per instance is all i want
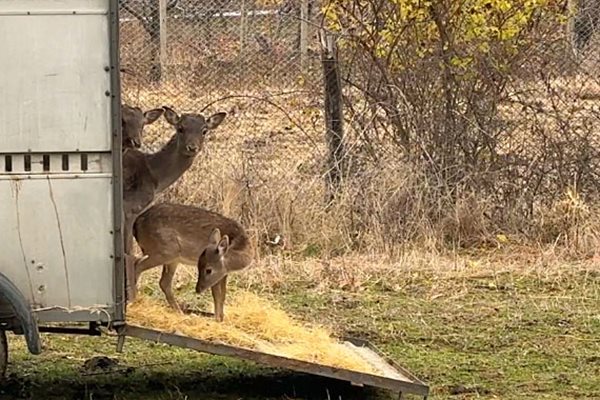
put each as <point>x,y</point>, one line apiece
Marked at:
<point>56,170</point>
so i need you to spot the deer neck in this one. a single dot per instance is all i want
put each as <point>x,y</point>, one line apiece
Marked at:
<point>169,163</point>
<point>239,256</point>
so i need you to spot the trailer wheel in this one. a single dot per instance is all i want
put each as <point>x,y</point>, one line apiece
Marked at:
<point>3,354</point>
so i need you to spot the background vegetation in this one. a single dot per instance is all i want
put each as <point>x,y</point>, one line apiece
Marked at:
<point>463,234</point>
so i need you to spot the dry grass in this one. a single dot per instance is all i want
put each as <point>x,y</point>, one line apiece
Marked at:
<point>211,54</point>
<point>502,310</point>
<point>253,323</point>
<point>527,130</point>
<point>265,167</point>
<point>508,323</point>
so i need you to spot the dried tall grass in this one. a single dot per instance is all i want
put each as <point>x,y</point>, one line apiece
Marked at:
<point>265,167</point>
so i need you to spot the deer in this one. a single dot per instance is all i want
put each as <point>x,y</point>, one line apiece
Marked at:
<point>135,172</point>
<point>145,175</point>
<point>178,155</point>
<point>138,182</point>
<point>133,120</point>
<point>169,234</point>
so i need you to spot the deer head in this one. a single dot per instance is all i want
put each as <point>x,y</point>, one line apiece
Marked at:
<point>211,263</point>
<point>133,120</point>
<point>192,129</point>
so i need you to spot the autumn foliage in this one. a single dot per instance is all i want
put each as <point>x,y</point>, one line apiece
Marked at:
<point>473,97</point>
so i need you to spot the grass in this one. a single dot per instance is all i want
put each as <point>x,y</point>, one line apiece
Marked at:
<point>493,327</point>
<point>265,166</point>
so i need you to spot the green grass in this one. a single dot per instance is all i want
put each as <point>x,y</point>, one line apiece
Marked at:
<point>510,336</point>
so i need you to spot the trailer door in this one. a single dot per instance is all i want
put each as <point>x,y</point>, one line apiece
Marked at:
<point>60,156</point>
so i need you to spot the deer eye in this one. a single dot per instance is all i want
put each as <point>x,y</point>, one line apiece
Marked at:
<point>208,271</point>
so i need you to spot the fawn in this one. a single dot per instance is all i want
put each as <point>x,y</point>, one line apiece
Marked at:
<point>169,234</point>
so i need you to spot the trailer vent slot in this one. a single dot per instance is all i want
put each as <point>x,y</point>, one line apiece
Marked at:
<point>8,163</point>
<point>27,163</point>
<point>65,162</point>
<point>84,162</point>
<point>46,163</point>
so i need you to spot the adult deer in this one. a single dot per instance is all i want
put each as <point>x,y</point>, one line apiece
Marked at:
<point>136,174</point>
<point>138,182</point>
<point>169,234</point>
<point>177,156</point>
<point>146,175</point>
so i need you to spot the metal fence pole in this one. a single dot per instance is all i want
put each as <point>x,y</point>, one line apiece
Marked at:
<point>304,26</point>
<point>162,12</point>
<point>242,40</point>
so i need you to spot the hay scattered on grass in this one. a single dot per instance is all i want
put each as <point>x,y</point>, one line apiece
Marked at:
<point>252,323</point>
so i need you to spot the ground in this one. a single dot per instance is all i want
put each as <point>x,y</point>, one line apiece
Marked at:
<point>470,328</point>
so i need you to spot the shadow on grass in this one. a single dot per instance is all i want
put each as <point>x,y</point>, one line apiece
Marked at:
<point>130,384</point>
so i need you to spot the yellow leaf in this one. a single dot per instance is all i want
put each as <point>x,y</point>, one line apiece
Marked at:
<point>502,238</point>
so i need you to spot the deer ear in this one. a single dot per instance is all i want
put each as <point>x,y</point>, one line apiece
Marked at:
<point>223,245</point>
<point>171,116</point>
<point>152,115</point>
<point>215,120</point>
<point>215,236</point>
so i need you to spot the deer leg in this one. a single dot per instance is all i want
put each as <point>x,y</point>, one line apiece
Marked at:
<point>166,284</point>
<point>127,237</point>
<point>130,280</point>
<point>219,290</point>
<point>131,283</point>
<point>149,262</point>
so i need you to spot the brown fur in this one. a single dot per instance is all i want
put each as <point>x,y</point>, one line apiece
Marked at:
<point>146,175</point>
<point>169,234</point>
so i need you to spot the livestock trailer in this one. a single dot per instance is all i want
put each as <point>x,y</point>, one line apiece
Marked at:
<point>61,244</point>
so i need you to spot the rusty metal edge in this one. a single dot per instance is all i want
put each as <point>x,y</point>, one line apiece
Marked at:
<point>417,388</point>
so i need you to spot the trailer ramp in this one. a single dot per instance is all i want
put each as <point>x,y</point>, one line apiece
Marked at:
<point>393,377</point>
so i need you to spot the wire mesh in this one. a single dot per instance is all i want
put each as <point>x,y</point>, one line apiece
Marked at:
<point>244,57</point>
<point>516,123</point>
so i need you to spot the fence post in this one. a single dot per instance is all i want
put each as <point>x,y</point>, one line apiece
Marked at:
<point>162,17</point>
<point>304,25</point>
<point>334,113</point>
<point>242,64</point>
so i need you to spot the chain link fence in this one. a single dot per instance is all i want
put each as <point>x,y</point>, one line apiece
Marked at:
<point>257,61</point>
<point>494,107</point>
<point>240,44</point>
<point>444,139</point>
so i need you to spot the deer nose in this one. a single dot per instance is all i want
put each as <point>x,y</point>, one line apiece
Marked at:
<point>191,148</point>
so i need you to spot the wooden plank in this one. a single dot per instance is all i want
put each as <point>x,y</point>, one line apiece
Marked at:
<point>397,385</point>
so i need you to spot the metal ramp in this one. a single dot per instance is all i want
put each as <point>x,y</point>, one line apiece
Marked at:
<point>393,377</point>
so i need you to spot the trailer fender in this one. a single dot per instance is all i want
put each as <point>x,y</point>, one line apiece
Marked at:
<point>10,293</point>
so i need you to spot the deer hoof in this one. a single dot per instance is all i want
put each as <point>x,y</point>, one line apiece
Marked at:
<point>177,309</point>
